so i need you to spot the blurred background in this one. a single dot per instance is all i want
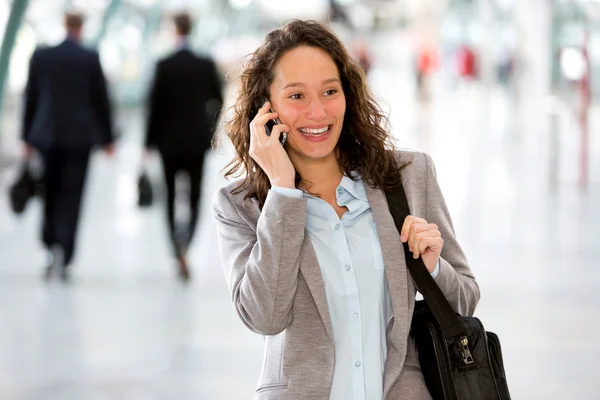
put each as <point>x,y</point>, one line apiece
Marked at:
<point>502,94</point>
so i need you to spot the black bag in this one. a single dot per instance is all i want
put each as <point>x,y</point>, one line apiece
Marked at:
<point>458,358</point>
<point>145,195</point>
<point>22,189</point>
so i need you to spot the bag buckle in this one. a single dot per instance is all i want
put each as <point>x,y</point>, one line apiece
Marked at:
<point>465,352</point>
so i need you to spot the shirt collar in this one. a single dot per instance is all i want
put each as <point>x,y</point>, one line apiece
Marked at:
<point>354,186</point>
<point>350,193</point>
<point>183,43</point>
<point>72,39</point>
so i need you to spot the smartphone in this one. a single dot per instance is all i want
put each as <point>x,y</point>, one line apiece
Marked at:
<point>271,123</point>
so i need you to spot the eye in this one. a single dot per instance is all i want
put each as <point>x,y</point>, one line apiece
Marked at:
<point>330,92</point>
<point>296,96</point>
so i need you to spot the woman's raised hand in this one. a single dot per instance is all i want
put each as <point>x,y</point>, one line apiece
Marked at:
<point>268,152</point>
<point>424,239</point>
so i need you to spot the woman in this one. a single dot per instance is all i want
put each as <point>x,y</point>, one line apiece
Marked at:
<point>310,251</point>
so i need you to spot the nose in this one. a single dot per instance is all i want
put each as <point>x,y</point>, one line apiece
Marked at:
<point>316,110</point>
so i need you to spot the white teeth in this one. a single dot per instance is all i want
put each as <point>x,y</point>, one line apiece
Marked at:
<point>315,131</point>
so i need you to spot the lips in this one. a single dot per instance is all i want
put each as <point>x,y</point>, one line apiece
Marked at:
<point>316,134</point>
<point>315,130</point>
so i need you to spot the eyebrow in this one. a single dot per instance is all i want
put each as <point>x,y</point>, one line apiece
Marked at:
<point>295,84</point>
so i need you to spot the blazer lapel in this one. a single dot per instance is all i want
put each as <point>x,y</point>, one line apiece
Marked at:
<point>311,272</point>
<point>399,284</point>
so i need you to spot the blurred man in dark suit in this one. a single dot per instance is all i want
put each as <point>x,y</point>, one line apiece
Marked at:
<point>66,114</point>
<point>184,104</point>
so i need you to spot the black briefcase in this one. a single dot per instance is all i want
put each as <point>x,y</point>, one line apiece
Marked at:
<point>145,193</point>
<point>458,358</point>
<point>22,189</point>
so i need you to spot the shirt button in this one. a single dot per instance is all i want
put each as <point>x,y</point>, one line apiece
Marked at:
<point>337,226</point>
<point>357,364</point>
<point>340,191</point>
<point>355,315</point>
<point>347,267</point>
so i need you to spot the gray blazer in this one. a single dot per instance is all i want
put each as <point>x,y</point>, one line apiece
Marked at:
<point>278,290</point>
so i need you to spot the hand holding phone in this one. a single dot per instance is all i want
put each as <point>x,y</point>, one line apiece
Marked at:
<point>271,123</point>
<point>268,153</point>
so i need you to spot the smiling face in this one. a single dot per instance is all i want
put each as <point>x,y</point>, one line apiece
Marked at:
<point>307,94</point>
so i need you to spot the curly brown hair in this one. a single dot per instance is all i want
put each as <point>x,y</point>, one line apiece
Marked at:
<point>364,145</point>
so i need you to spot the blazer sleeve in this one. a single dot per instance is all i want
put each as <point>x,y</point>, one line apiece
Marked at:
<point>455,278</point>
<point>30,99</point>
<point>261,262</point>
<point>101,102</point>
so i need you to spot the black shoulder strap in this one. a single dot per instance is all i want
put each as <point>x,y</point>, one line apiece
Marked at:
<point>440,308</point>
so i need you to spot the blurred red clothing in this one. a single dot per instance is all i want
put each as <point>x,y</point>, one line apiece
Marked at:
<point>467,62</point>
<point>427,60</point>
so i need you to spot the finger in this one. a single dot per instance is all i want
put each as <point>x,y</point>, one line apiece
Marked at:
<point>417,231</point>
<point>263,118</point>
<point>277,131</point>
<point>257,126</point>
<point>425,240</point>
<point>264,110</point>
<point>421,226</point>
<point>260,120</point>
<point>433,244</point>
<point>266,107</point>
<point>406,227</point>
<point>404,232</point>
<point>414,234</point>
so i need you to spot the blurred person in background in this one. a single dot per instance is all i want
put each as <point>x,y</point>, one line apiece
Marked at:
<point>309,248</point>
<point>426,64</point>
<point>504,65</point>
<point>183,106</point>
<point>361,52</point>
<point>467,67</point>
<point>66,114</point>
<point>467,62</point>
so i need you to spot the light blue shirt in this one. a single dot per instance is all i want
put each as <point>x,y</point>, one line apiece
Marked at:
<point>358,297</point>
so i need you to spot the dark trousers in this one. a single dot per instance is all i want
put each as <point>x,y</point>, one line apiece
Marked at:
<point>192,165</point>
<point>64,179</point>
